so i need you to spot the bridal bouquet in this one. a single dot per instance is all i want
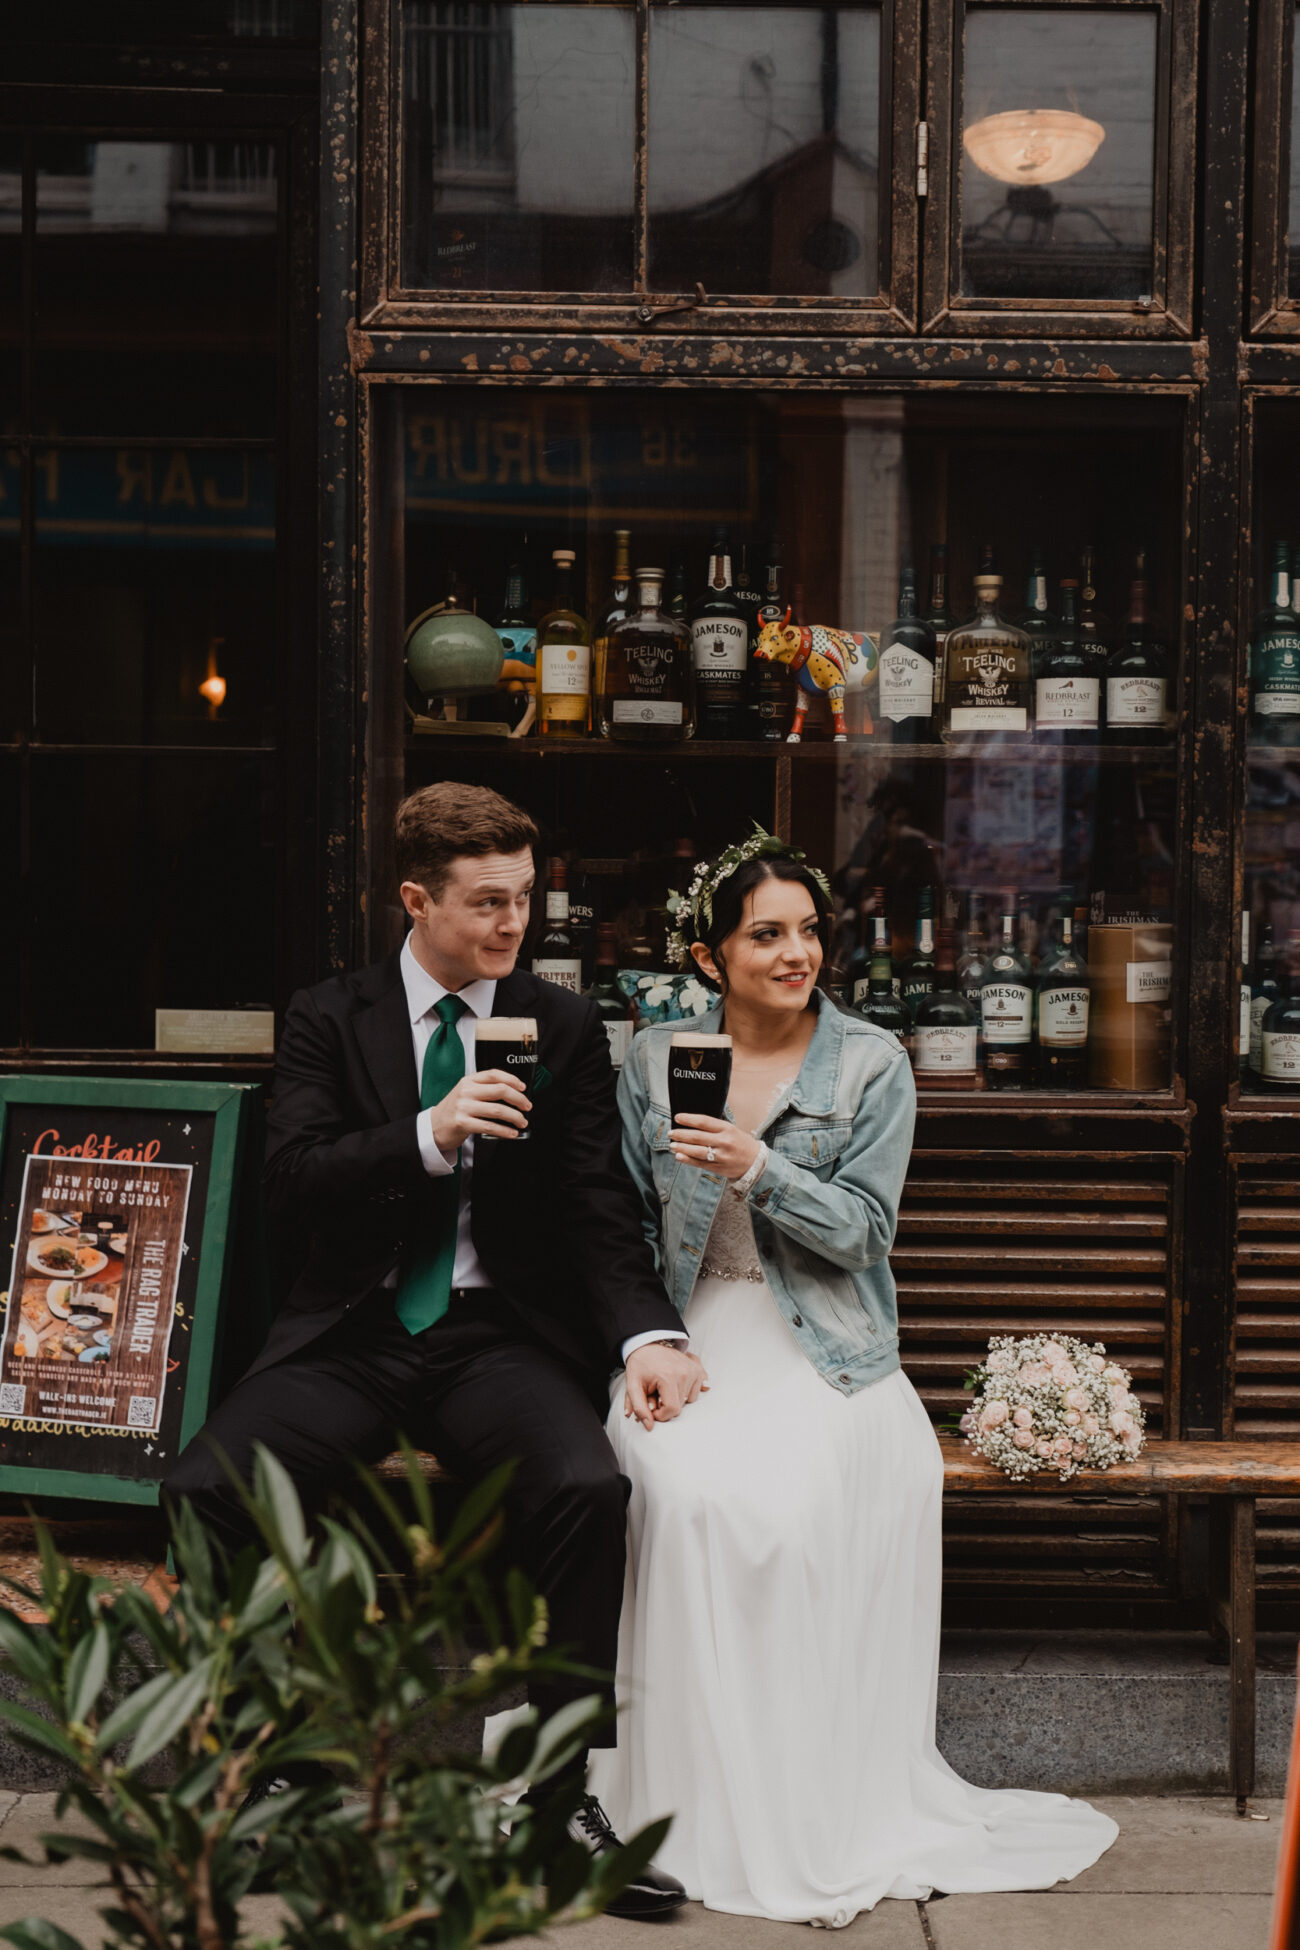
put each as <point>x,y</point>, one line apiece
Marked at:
<point>1052,1402</point>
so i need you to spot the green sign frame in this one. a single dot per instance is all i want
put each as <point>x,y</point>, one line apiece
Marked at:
<point>212,1230</point>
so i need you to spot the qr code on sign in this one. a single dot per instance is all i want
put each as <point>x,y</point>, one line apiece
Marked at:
<point>13,1398</point>
<point>140,1411</point>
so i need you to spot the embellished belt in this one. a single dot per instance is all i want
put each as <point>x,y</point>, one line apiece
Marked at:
<point>711,1270</point>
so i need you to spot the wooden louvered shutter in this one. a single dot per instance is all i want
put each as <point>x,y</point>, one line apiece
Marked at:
<point>1001,1243</point>
<point>1265,1392</point>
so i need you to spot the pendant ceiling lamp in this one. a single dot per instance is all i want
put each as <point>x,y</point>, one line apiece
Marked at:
<point>1033,145</point>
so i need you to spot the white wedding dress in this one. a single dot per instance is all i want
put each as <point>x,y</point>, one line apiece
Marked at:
<point>778,1663</point>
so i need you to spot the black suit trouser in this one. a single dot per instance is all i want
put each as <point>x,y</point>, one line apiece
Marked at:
<point>479,1390</point>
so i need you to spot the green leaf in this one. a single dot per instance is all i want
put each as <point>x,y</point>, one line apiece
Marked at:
<point>34,1731</point>
<point>35,1933</point>
<point>60,1846</point>
<point>169,1714</point>
<point>30,1652</point>
<point>481,1503</point>
<point>126,1716</point>
<point>565,1734</point>
<point>282,1518</point>
<point>86,1675</point>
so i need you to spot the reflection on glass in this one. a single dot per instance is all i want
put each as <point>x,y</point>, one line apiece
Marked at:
<point>180,837</point>
<point>517,147</point>
<point>145,21</point>
<point>11,218</point>
<point>1292,217</point>
<point>765,150</point>
<point>1053,803</point>
<point>154,571</point>
<point>1058,153</point>
<point>155,286</point>
<point>10,865</point>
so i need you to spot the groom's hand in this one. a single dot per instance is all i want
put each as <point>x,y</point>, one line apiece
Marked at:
<point>662,1378</point>
<point>487,1102</point>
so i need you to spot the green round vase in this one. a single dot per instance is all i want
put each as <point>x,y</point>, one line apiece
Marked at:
<point>451,652</point>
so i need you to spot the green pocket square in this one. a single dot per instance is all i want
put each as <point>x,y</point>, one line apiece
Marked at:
<point>542,1079</point>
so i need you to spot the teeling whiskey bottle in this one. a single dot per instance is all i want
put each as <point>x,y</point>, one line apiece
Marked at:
<point>648,696</point>
<point>1006,1009</point>
<point>563,660</point>
<point>720,649</point>
<point>1061,1007</point>
<point>987,682</point>
<point>557,958</point>
<point>906,681</point>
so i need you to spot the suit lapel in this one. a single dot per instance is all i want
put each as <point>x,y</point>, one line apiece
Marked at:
<point>384,1034</point>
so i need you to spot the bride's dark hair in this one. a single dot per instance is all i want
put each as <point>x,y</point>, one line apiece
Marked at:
<point>729,908</point>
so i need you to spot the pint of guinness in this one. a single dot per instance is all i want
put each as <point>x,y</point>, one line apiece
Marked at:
<point>699,1075</point>
<point>506,1043</point>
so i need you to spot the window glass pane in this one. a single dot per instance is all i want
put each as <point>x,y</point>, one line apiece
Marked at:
<point>197,20</point>
<point>154,589</point>
<point>1058,153</point>
<point>176,889</point>
<point>1041,786</point>
<point>517,147</point>
<point>1293,205</point>
<point>155,287</point>
<point>11,218</point>
<point>10,865</point>
<point>764,166</point>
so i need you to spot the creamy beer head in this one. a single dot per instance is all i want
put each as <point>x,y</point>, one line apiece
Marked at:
<point>699,1074</point>
<point>507,1043</point>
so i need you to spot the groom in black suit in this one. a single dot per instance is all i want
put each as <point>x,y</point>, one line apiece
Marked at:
<point>476,1296</point>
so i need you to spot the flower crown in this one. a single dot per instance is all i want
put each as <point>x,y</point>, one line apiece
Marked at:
<point>696,904</point>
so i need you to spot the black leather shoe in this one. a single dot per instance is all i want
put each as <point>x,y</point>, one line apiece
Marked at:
<point>650,1893</point>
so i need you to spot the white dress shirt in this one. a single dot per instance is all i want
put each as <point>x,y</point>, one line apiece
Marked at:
<point>423,994</point>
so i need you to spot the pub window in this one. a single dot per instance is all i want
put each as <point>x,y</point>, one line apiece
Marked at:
<point>140,698</point>
<point>756,166</point>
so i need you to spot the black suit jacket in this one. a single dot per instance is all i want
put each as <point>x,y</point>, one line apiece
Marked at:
<point>555,1221</point>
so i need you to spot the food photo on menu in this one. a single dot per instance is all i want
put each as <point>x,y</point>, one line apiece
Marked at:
<point>72,1288</point>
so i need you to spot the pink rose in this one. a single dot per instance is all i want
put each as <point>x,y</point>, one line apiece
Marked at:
<point>994,1415</point>
<point>1090,1425</point>
<point>1118,1393</point>
<point>1023,1439</point>
<point>1121,1424</point>
<point>1023,1419</point>
<point>1042,1447</point>
<point>967,1422</point>
<point>1071,1418</point>
<point>1054,1352</point>
<point>1111,1373</point>
<point>1133,1441</point>
<point>1036,1375</point>
<point>1066,1374</point>
<point>1095,1363</point>
<point>1079,1451</point>
<point>1077,1398</point>
<point>1062,1446</point>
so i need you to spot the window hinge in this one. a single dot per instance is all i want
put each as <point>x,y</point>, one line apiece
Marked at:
<point>923,159</point>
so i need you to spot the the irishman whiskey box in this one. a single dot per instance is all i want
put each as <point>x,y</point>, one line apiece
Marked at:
<point>1128,1037</point>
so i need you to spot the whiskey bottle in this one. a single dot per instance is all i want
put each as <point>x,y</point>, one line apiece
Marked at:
<point>620,598</point>
<point>1265,988</point>
<point>612,1006</point>
<point>905,701</point>
<point>974,954</point>
<point>1280,1031</point>
<point>987,682</point>
<point>557,958</point>
<point>770,683</point>
<point>1097,627</point>
<point>881,1005</point>
<point>1243,1020</point>
<point>1137,676</point>
<point>720,650</point>
<point>677,603</point>
<point>945,1031</point>
<point>1006,1009</point>
<point>939,617</point>
<point>648,697</point>
<point>518,634</point>
<point>918,968</point>
<point>1061,1008</point>
<point>1036,620</point>
<point>1275,662</point>
<point>563,660</point>
<point>1067,685</point>
<point>747,594</point>
<point>857,975</point>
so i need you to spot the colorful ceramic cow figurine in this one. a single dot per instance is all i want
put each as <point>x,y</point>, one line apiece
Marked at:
<point>833,661</point>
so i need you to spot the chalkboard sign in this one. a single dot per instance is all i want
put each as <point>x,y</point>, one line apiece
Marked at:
<point>116,1228</point>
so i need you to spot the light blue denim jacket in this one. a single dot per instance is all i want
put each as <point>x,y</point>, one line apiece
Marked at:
<point>825,1205</point>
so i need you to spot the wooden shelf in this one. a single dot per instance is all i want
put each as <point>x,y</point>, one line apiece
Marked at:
<point>870,751</point>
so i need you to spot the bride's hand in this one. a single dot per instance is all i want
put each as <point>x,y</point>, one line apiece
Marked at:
<point>713,1144</point>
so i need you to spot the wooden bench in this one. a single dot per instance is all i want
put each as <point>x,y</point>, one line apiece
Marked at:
<point>1236,1471</point>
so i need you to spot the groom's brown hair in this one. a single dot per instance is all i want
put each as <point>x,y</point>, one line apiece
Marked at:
<point>443,823</point>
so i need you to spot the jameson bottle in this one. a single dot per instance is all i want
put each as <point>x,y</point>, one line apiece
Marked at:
<point>1098,629</point>
<point>612,1006</point>
<point>918,968</point>
<point>1265,988</point>
<point>748,596</point>
<point>1280,1032</point>
<point>945,1029</point>
<point>881,1005</point>
<point>905,698</point>
<point>987,682</point>
<point>770,684</point>
<point>620,600</point>
<point>1037,621</point>
<point>1275,662</point>
<point>1006,1009</point>
<point>1067,686</point>
<point>939,617</point>
<point>720,650</point>
<point>648,696</point>
<point>563,660</point>
<point>1061,1015</point>
<point>1137,675</point>
<point>557,958</point>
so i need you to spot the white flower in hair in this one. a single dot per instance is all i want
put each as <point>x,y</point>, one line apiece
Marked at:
<point>692,912</point>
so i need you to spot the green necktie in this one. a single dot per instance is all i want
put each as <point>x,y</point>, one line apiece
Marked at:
<point>424,1292</point>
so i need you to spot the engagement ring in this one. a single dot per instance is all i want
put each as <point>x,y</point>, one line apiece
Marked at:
<point>710,1154</point>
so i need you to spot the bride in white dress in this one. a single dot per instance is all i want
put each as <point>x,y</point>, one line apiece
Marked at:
<point>779,1656</point>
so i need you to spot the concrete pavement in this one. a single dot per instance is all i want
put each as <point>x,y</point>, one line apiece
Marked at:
<point>1183,1872</point>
